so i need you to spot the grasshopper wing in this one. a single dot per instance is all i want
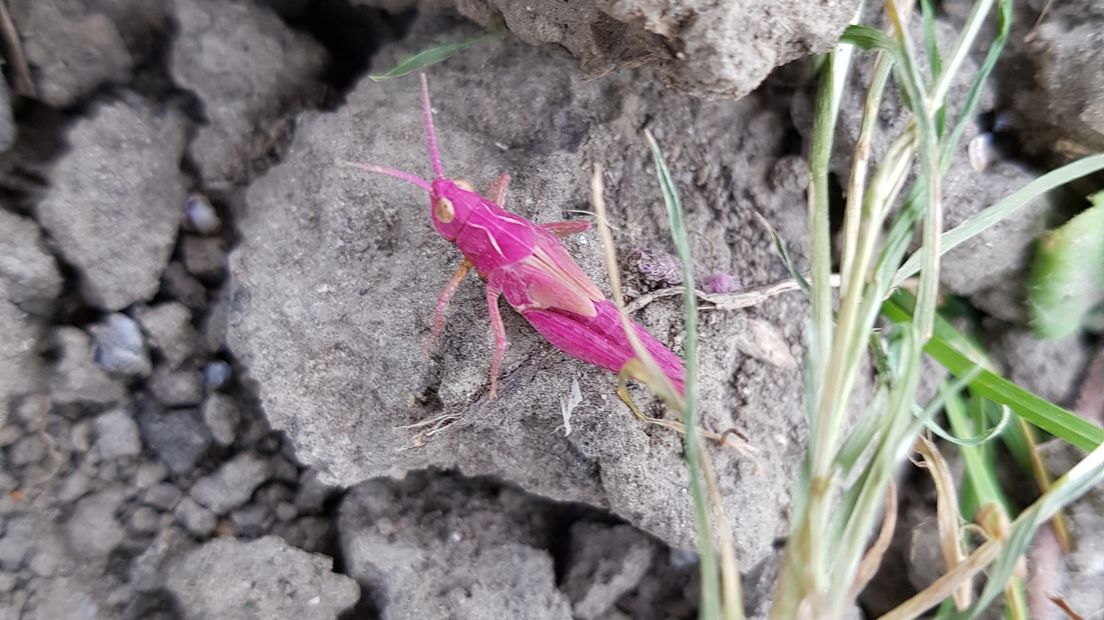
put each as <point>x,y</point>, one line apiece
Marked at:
<point>553,280</point>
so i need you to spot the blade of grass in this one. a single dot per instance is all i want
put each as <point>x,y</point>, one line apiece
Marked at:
<point>434,55</point>
<point>733,606</point>
<point>1038,411</point>
<point>989,217</point>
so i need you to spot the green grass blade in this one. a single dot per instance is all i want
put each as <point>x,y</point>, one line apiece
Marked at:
<point>989,217</point>
<point>1056,420</point>
<point>434,55</point>
<point>1067,275</point>
<point>710,571</point>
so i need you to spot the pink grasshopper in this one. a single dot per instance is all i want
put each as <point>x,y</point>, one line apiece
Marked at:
<point>528,264</point>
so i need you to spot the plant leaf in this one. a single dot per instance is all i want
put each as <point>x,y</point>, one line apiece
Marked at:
<point>1067,275</point>
<point>434,55</point>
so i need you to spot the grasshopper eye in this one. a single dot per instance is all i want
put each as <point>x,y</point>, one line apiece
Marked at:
<point>464,184</point>
<point>443,210</point>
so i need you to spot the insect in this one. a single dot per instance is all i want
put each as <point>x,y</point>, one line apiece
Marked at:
<point>528,265</point>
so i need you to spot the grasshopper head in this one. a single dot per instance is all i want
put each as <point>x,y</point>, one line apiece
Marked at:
<point>450,205</point>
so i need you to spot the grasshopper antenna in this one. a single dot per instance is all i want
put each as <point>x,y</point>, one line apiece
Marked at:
<point>391,172</point>
<point>431,136</point>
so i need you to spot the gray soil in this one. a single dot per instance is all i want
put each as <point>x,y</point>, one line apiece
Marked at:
<point>215,402</point>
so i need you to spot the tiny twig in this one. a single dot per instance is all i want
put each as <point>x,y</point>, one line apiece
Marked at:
<point>745,298</point>
<point>24,85</point>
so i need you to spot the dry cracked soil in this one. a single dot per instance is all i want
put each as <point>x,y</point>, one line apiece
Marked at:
<point>215,402</point>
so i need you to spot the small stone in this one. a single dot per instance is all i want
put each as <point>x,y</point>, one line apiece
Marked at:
<point>215,323</point>
<point>263,69</point>
<point>179,285</point>
<point>72,48</point>
<point>120,347</point>
<point>170,330</point>
<point>9,434</point>
<point>16,542</point>
<point>163,496</point>
<point>604,563</point>
<point>117,435</point>
<point>7,584</point>
<point>277,580</point>
<point>74,486</point>
<point>286,511</point>
<point>80,436</point>
<point>177,437</point>
<point>221,415</point>
<point>285,470</point>
<point>790,174</point>
<point>252,520</point>
<point>149,474</point>
<point>216,375</point>
<point>232,484</point>
<point>30,449</point>
<point>75,377</point>
<point>312,492</point>
<point>32,411</point>
<point>93,531</point>
<point>31,273</point>
<point>204,257</point>
<point>43,563</point>
<point>177,388</point>
<point>195,518</point>
<point>200,216</point>
<point>113,209</point>
<point>144,520</point>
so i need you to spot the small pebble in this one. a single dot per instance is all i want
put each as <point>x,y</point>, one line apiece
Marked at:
<point>170,330</point>
<point>9,434</point>
<point>163,496</point>
<point>93,531</point>
<point>80,436</point>
<point>204,257</point>
<point>29,449</point>
<point>120,348</point>
<point>43,563</point>
<point>179,285</point>
<point>286,511</point>
<point>177,388</point>
<point>177,437</point>
<point>32,411</point>
<point>200,215</point>
<point>216,375</point>
<point>253,520</point>
<point>195,518</point>
<point>221,415</point>
<point>144,520</point>
<point>74,486</point>
<point>982,152</point>
<point>232,484</point>
<point>149,474</point>
<point>117,435</point>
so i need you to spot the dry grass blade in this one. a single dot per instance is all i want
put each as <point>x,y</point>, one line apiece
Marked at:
<point>947,512</point>
<point>13,45</point>
<point>745,298</point>
<point>873,558</point>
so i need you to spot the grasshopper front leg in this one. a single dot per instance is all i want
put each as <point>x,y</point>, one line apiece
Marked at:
<point>443,301</point>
